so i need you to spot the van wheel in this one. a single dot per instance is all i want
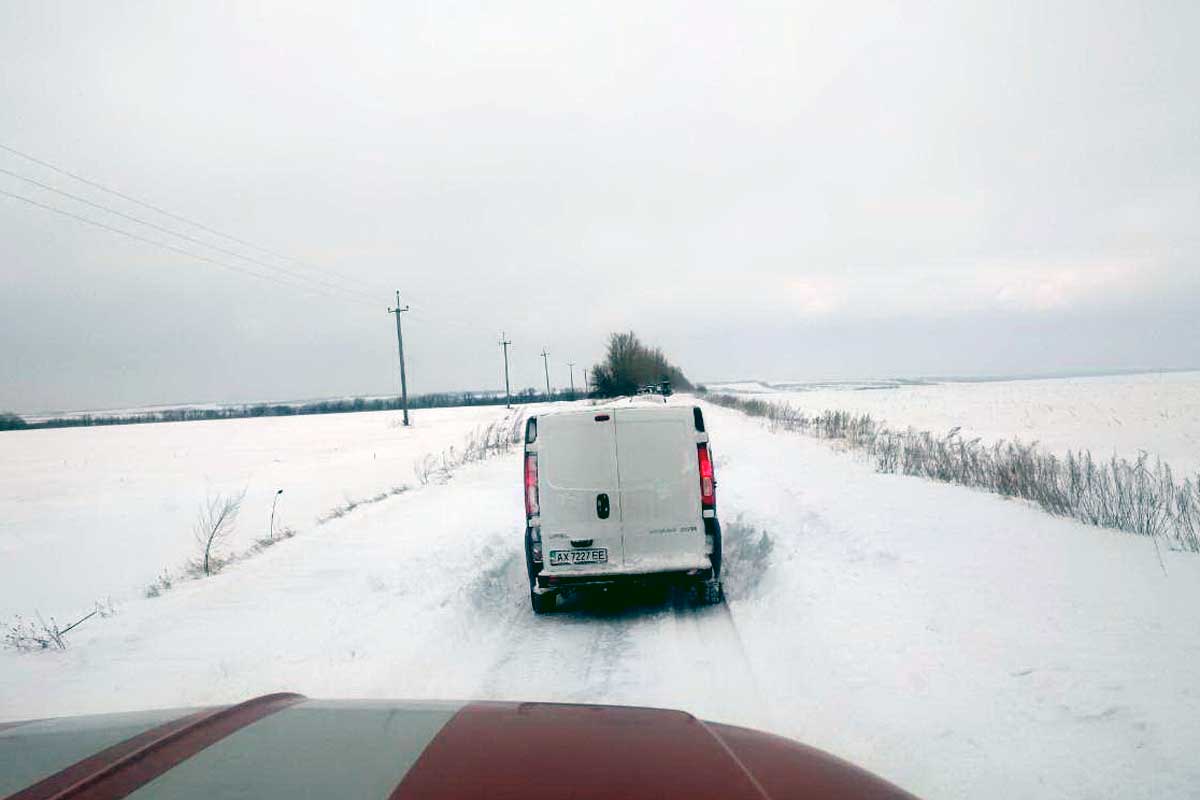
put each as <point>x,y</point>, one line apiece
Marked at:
<point>543,603</point>
<point>710,593</point>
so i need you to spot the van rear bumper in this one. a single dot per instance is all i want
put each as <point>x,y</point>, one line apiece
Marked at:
<point>626,578</point>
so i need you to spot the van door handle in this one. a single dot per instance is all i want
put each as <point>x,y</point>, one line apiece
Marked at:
<point>602,506</point>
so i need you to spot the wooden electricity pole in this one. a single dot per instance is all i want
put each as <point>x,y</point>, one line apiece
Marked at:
<point>400,346</point>
<point>504,343</point>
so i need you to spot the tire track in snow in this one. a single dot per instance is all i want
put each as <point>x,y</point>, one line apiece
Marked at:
<point>719,660</point>
<point>634,647</point>
<point>733,652</point>
<point>562,656</point>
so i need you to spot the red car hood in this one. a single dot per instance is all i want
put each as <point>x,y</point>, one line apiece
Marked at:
<point>284,745</point>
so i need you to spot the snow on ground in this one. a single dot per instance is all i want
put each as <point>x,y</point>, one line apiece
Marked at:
<point>955,642</point>
<point>120,501</point>
<point>1122,414</point>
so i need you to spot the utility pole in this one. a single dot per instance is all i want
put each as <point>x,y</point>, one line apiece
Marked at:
<point>585,383</point>
<point>571,365</point>
<point>504,343</point>
<point>400,345</point>
<point>546,364</point>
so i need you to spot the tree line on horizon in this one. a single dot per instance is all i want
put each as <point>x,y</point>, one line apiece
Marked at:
<point>628,366</point>
<point>10,421</point>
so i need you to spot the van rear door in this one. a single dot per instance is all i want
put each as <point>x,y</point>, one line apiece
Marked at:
<point>578,488</point>
<point>660,489</point>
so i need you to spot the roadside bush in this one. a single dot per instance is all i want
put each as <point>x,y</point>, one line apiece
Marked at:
<point>161,585</point>
<point>26,635</point>
<point>1139,496</point>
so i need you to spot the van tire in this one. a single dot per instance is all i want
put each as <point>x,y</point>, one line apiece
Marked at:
<point>532,568</point>
<point>713,528</point>
<point>543,603</point>
<point>710,592</point>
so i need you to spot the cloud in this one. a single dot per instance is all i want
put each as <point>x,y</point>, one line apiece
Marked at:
<point>895,181</point>
<point>1053,287</point>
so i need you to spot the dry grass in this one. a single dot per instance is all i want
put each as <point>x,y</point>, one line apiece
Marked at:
<point>337,512</point>
<point>1142,497</point>
<point>483,442</point>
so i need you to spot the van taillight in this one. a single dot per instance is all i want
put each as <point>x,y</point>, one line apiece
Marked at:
<point>708,493</point>
<point>531,487</point>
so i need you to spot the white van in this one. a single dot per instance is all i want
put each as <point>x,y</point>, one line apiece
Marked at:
<point>620,493</point>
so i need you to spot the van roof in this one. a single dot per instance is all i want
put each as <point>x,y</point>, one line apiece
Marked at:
<point>637,401</point>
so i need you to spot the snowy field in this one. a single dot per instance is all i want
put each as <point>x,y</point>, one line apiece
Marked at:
<point>89,514</point>
<point>1122,414</point>
<point>957,643</point>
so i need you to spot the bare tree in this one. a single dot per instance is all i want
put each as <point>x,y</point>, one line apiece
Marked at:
<point>213,526</point>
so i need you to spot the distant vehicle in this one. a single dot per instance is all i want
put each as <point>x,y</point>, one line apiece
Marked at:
<point>285,745</point>
<point>619,494</point>
<point>663,388</point>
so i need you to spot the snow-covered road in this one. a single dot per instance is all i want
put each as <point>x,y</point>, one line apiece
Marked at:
<point>954,642</point>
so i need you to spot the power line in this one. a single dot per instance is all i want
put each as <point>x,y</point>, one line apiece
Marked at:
<point>184,236</point>
<point>322,273</point>
<point>161,245</point>
<point>300,281</point>
<point>504,341</point>
<point>422,313</point>
<point>163,211</point>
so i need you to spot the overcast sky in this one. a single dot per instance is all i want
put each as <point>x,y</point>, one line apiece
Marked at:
<point>791,191</point>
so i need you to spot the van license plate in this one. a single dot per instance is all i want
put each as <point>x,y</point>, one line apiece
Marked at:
<point>591,555</point>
